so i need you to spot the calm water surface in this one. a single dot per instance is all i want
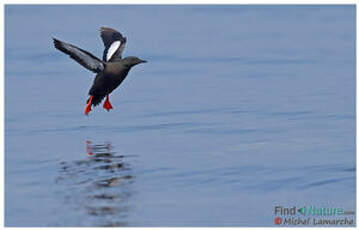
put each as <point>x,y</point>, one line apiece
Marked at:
<point>239,109</point>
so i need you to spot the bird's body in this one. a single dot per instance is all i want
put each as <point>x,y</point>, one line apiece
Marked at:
<point>108,80</point>
<point>111,71</point>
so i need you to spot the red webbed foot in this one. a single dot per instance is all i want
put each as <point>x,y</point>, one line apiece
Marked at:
<point>107,105</point>
<point>88,106</point>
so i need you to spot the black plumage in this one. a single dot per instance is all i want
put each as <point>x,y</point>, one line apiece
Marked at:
<point>111,71</point>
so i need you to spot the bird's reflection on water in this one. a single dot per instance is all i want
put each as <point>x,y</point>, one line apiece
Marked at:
<point>99,186</point>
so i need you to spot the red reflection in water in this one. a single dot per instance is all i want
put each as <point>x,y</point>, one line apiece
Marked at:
<point>88,148</point>
<point>92,149</point>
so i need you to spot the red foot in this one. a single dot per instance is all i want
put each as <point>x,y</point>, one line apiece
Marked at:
<point>107,105</point>
<point>88,106</point>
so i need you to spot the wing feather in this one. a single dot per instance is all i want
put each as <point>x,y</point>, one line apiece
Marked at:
<point>114,44</point>
<point>83,57</point>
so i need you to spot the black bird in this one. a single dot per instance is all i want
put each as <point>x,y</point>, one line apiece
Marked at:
<point>111,70</point>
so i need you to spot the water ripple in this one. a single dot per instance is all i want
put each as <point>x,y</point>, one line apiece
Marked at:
<point>99,186</point>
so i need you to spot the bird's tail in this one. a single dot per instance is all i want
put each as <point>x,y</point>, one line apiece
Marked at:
<point>96,99</point>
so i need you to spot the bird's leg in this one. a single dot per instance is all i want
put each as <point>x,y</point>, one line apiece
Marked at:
<point>107,105</point>
<point>88,106</point>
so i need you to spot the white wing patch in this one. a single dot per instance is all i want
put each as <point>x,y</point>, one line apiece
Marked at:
<point>114,46</point>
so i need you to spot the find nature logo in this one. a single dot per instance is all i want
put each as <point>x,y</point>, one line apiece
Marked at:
<point>311,215</point>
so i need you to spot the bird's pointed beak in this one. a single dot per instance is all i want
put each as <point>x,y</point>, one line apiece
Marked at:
<point>143,61</point>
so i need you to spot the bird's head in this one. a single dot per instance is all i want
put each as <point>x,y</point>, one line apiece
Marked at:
<point>132,61</point>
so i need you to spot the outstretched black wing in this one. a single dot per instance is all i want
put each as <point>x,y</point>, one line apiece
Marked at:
<point>83,57</point>
<point>114,44</point>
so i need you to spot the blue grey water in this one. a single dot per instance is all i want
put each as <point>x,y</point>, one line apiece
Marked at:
<point>238,110</point>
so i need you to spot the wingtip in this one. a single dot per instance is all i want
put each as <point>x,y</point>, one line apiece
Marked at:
<point>104,28</point>
<point>56,42</point>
